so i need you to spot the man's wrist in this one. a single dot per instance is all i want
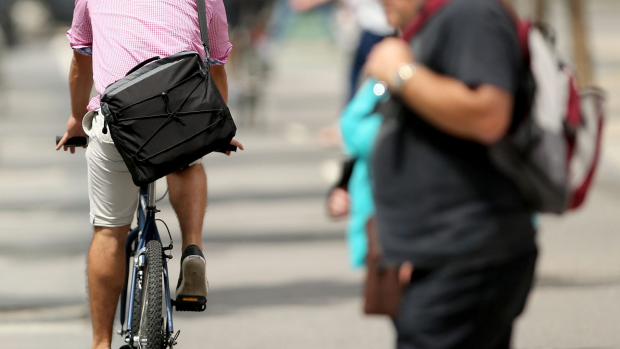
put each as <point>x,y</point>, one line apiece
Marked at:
<point>405,72</point>
<point>78,116</point>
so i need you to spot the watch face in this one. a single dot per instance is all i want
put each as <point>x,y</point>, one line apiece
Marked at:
<point>406,71</point>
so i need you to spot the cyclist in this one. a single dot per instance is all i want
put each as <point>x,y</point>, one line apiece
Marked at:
<point>109,38</point>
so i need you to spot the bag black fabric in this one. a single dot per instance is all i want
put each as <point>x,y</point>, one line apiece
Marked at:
<point>165,115</point>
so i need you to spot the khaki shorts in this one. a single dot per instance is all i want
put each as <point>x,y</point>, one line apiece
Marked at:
<point>112,193</point>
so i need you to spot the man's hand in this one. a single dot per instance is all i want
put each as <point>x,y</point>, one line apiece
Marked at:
<point>305,5</point>
<point>74,129</point>
<point>480,114</point>
<point>405,273</point>
<point>338,203</point>
<point>386,58</point>
<point>236,144</point>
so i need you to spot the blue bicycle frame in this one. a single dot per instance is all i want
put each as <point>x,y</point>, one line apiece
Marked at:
<point>136,247</point>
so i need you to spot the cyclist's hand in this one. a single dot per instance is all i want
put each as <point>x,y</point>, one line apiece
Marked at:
<point>236,144</point>
<point>74,129</point>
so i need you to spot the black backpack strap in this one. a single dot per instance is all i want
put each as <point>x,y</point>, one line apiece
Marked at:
<point>204,29</point>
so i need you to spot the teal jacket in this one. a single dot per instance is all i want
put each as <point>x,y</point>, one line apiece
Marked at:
<point>360,125</point>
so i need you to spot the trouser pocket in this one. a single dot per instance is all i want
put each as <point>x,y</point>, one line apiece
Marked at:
<point>93,124</point>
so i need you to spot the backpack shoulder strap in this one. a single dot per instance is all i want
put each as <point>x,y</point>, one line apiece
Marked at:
<point>523,28</point>
<point>430,8</point>
<point>204,29</point>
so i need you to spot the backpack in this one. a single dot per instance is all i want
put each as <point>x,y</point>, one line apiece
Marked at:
<point>553,146</point>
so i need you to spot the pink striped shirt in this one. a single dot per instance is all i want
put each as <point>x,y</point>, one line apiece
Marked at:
<point>122,33</point>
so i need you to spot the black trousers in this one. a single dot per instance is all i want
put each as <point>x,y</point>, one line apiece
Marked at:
<point>464,307</point>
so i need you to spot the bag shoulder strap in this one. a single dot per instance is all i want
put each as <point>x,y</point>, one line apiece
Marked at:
<point>204,29</point>
<point>523,29</point>
<point>431,7</point>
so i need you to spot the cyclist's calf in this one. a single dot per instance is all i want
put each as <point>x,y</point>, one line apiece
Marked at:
<point>106,274</point>
<point>188,196</point>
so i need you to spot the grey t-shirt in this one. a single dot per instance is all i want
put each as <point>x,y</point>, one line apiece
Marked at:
<point>438,198</point>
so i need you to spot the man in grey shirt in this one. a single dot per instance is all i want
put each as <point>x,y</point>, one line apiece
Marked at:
<point>443,209</point>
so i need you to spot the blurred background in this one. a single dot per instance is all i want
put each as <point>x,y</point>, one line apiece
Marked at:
<point>278,268</point>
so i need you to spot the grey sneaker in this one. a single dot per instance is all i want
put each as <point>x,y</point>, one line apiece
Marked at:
<point>193,286</point>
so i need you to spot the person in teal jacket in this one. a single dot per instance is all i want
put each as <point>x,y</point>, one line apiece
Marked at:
<point>360,124</point>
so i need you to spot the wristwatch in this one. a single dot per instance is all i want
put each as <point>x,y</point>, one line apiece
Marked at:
<point>404,73</point>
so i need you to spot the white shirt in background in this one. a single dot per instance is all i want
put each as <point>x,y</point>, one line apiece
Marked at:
<point>371,16</point>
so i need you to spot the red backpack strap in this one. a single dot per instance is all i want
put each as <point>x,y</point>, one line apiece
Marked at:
<point>523,28</point>
<point>428,11</point>
<point>431,7</point>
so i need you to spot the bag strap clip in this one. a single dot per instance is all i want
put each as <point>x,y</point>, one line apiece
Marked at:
<point>204,29</point>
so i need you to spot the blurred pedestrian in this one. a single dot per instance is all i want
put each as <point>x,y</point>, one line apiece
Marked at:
<point>461,229</point>
<point>352,197</point>
<point>373,22</point>
<point>374,27</point>
<point>110,38</point>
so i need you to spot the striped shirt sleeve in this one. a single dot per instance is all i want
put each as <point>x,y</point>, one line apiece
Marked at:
<point>218,32</point>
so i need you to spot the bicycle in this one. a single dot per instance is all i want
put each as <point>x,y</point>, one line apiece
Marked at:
<point>148,326</point>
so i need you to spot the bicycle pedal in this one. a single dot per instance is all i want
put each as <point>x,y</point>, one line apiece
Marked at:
<point>190,303</point>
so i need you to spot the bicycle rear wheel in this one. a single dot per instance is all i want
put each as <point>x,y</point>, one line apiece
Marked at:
<point>137,310</point>
<point>151,318</point>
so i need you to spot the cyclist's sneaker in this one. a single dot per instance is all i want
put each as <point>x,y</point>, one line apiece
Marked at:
<point>193,286</point>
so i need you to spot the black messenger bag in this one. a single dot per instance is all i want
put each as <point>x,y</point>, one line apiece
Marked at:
<point>167,114</point>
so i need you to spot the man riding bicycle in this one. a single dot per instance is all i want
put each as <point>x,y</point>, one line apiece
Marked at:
<point>109,38</point>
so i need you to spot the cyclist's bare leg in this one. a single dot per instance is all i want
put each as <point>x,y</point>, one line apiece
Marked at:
<point>188,196</point>
<point>106,274</point>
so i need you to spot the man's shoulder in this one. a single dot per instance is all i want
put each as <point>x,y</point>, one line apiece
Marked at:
<point>468,10</point>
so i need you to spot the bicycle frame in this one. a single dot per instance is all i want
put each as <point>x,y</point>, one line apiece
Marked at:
<point>136,247</point>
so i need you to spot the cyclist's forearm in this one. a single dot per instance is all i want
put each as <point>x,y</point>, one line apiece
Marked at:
<point>218,72</point>
<point>80,84</point>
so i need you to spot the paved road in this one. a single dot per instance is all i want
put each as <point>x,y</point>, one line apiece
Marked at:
<point>277,267</point>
